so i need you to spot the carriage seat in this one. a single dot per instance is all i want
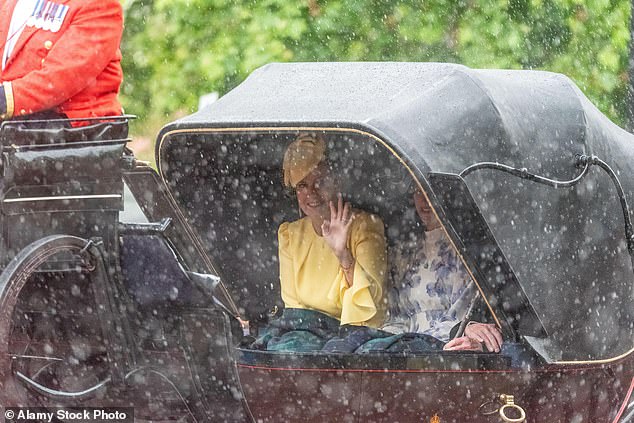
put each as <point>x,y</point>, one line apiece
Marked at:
<point>162,291</point>
<point>153,276</point>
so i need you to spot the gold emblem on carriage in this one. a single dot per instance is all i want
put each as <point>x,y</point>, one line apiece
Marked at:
<point>435,419</point>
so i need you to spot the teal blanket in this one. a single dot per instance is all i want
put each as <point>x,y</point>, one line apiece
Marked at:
<point>301,330</point>
<point>297,330</point>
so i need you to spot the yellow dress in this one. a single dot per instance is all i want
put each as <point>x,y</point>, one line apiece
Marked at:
<point>311,277</point>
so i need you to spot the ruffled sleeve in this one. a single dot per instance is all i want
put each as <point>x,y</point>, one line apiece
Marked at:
<point>363,303</point>
<point>287,272</point>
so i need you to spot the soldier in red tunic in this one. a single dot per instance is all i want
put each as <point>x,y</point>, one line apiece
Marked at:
<point>60,58</point>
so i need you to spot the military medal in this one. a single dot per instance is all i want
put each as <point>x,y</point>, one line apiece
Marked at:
<point>49,15</point>
<point>36,11</point>
<point>58,18</point>
<point>39,22</point>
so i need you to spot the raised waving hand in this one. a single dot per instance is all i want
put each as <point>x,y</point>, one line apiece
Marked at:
<point>336,231</point>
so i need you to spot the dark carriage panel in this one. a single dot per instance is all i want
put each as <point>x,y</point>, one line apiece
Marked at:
<point>556,396</point>
<point>152,196</point>
<point>156,282</point>
<point>53,132</point>
<point>301,396</point>
<point>61,180</point>
<point>49,164</point>
<point>177,322</point>
<point>454,386</point>
<point>484,257</point>
<point>557,271</point>
<point>568,250</point>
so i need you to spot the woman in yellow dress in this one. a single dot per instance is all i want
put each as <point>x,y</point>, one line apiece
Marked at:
<point>332,260</point>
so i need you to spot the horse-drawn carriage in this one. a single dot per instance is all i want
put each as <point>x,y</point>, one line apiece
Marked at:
<point>530,182</point>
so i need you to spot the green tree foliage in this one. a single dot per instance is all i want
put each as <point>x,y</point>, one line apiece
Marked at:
<point>177,50</point>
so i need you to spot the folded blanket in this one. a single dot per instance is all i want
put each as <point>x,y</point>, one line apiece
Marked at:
<point>405,343</point>
<point>297,330</point>
<point>301,330</point>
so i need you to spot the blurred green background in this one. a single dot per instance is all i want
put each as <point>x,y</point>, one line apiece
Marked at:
<point>177,50</point>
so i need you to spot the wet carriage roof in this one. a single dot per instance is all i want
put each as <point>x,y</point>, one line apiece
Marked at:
<point>566,246</point>
<point>426,109</point>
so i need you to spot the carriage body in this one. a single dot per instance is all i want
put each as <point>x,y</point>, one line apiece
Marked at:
<point>551,263</point>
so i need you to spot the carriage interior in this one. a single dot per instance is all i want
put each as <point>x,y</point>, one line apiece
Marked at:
<point>230,185</point>
<point>236,199</point>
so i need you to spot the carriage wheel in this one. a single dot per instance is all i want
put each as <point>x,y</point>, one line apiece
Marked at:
<point>52,346</point>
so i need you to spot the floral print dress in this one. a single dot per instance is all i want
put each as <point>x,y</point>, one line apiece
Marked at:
<point>431,289</point>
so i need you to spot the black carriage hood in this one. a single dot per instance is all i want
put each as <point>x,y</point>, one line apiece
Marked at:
<point>565,246</point>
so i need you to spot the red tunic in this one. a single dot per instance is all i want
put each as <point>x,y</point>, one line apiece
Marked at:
<point>75,71</point>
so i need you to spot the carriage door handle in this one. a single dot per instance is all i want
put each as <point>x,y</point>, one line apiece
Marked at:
<point>507,405</point>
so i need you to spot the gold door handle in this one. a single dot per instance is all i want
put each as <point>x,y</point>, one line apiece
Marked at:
<point>508,404</point>
<point>506,409</point>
